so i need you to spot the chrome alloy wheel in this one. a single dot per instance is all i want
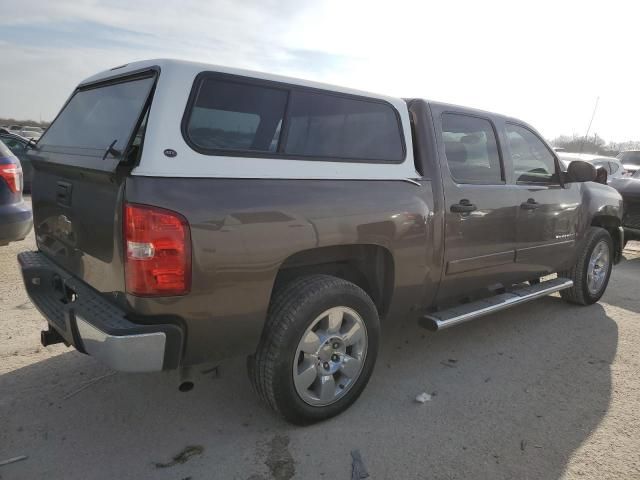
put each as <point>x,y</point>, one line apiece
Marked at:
<point>598,267</point>
<point>330,356</point>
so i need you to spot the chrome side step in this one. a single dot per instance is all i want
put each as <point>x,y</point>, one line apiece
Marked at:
<point>469,311</point>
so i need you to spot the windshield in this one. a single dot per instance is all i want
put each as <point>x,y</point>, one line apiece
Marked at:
<point>95,118</point>
<point>630,157</point>
<point>636,174</point>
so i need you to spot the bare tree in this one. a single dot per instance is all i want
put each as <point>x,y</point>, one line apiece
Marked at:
<point>593,144</point>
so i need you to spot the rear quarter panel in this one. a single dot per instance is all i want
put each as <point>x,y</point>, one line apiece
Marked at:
<point>244,229</point>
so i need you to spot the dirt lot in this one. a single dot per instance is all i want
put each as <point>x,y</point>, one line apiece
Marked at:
<point>543,391</point>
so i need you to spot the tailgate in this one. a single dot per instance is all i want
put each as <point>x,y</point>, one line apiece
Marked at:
<point>80,164</point>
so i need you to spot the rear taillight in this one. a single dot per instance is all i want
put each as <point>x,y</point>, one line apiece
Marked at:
<point>12,174</point>
<point>157,251</point>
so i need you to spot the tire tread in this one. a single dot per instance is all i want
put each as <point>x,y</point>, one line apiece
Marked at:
<point>282,316</point>
<point>578,273</point>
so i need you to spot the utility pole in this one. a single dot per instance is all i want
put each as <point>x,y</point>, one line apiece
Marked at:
<point>590,122</point>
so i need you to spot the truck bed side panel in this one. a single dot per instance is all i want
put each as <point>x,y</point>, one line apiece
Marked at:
<point>243,230</point>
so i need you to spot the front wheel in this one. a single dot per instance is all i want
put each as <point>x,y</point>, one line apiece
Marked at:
<point>318,349</point>
<point>592,270</point>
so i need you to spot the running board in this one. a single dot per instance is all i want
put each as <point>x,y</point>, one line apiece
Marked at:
<point>469,311</point>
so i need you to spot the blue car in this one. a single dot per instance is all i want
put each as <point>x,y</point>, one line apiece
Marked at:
<point>16,219</point>
<point>19,146</point>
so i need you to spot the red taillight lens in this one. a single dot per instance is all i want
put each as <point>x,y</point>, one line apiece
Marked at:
<point>157,251</point>
<point>12,174</point>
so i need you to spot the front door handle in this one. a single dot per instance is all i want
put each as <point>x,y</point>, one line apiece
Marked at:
<point>530,204</point>
<point>465,206</point>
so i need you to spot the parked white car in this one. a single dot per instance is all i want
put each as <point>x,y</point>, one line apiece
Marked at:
<point>31,132</point>
<point>612,165</point>
<point>631,160</point>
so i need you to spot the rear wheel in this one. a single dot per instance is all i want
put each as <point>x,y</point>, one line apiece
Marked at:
<point>318,349</point>
<point>592,269</point>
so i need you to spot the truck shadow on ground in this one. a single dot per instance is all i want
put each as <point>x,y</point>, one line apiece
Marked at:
<point>513,396</point>
<point>628,272</point>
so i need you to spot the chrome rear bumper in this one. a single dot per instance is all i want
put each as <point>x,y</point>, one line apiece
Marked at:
<point>84,318</point>
<point>142,352</point>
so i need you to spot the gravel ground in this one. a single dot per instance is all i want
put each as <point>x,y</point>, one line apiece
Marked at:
<point>542,391</point>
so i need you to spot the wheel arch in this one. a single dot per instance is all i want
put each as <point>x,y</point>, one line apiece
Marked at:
<point>370,266</point>
<point>613,225</point>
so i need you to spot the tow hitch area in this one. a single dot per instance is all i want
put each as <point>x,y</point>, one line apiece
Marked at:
<point>67,294</point>
<point>83,317</point>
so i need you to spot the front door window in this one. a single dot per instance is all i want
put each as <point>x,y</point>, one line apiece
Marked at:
<point>533,163</point>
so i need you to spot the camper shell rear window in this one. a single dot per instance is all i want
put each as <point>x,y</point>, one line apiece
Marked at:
<point>100,116</point>
<point>230,115</point>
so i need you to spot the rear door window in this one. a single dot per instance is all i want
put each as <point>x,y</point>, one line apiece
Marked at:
<point>471,149</point>
<point>98,117</point>
<point>533,163</point>
<point>236,116</point>
<point>340,127</point>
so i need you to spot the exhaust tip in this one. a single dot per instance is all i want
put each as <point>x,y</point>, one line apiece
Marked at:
<point>186,386</point>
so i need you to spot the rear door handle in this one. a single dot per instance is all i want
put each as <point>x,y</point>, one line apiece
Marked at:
<point>465,206</point>
<point>530,204</point>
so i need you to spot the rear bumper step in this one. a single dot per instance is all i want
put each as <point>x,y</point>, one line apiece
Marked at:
<point>469,311</point>
<point>80,316</point>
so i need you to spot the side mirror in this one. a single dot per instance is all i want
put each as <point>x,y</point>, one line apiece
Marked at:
<point>601,175</point>
<point>31,144</point>
<point>580,171</point>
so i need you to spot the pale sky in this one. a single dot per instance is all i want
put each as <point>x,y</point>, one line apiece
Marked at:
<point>543,61</point>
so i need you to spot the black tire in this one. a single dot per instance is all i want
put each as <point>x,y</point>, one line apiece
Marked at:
<point>292,311</point>
<point>579,293</point>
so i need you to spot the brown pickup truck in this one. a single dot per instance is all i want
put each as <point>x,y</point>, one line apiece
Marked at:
<point>186,213</point>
